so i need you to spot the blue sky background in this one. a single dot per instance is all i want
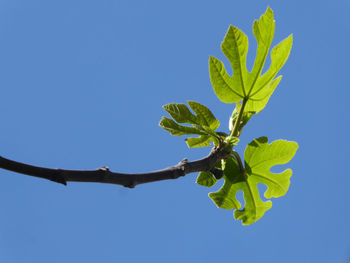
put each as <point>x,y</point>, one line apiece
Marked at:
<point>82,85</point>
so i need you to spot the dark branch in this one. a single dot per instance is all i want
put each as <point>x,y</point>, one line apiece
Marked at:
<point>104,175</point>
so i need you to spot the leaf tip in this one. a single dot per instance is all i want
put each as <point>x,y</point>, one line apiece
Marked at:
<point>269,11</point>
<point>290,39</point>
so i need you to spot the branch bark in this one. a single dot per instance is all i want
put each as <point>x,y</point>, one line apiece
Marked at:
<point>104,175</point>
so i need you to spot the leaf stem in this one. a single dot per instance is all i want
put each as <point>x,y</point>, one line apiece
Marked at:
<point>235,129</point>
<point>239,161</point>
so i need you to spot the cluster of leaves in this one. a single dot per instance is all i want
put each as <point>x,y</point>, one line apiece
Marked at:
<point>250,92</point>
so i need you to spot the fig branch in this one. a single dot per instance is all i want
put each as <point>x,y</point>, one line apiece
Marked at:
<point>104,175</point>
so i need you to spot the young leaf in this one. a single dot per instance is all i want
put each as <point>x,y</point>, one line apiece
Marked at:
<point>253,87</point>
<point>205,116</point>
<point>203,123</point>
<point>259,158</point>
<point>178,130</point>
<point>202,141</point>
<point>206,179</point>
<point>181,113</point>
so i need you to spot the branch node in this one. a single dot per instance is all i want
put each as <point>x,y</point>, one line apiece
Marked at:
<point>104,168</point>
<point>58,177</point>
<point>130,185</point>
<point>184,161</point>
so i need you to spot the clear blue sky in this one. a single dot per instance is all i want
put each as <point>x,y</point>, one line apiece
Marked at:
<point>82,85</point>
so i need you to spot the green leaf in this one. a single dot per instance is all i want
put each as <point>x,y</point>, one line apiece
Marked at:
<point>235,47</point>
<point>202,141</point>
<point>222,82</point>
<point>226,196</point>
<point>263,30</point>
<point>267,83</point>
<point>181,113</point>
<point>206,130</point>
<point>251,86</point>
<point>206,179</point>
<point>259,102</point>
<point>259,157</point>
<point>279,56</point>
<point>176,129</point>
<point>231,141</point>
<point>205,116</point>
<point>203,123</point>
<point>254,207</point>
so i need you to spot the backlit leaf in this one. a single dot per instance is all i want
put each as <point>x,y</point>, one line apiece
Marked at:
<point>259,157</point>
<point>205,116</point>
<point>259,102</point>
<point>222,82</point>
<point>202,141</point>
<point>235,48</point>
<point>252,86</point>
<point>203,123</point>
<point>178,130</point>
<point>206,179</point>
<point>181,113</point>
<point>226,196</point>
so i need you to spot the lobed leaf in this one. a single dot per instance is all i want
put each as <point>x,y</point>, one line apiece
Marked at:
<point>203,123</point>
<point>242,84</point>
<point>259,157</point>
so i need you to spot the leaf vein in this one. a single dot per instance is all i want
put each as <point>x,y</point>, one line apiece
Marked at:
<point>270,180</point>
